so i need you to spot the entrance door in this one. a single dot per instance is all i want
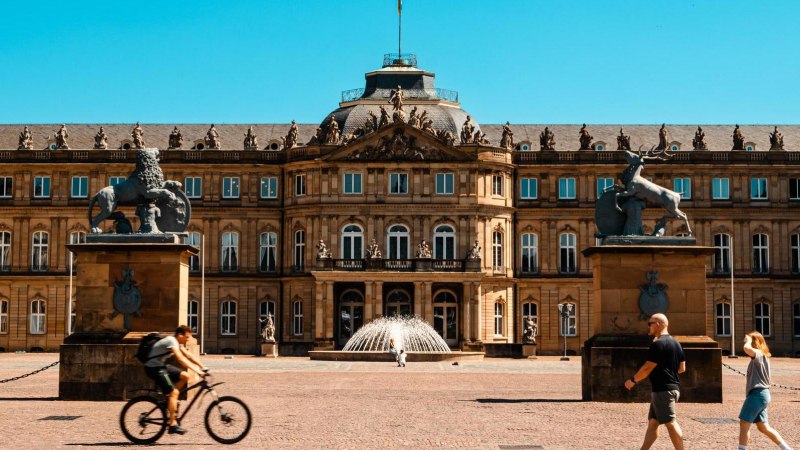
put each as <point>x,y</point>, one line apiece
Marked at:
<point>351,316</point>
<point>445,317</point>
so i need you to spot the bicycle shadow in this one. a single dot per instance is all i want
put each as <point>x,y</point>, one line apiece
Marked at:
<point>525,400</point>
<point>28,399</point>
<point>131,444</point>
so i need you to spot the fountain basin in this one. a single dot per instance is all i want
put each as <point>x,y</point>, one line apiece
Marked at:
<point>383,356</point>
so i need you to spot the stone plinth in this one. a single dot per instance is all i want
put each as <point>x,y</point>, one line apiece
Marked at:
<point>529,351</point>
<point>269,349</point>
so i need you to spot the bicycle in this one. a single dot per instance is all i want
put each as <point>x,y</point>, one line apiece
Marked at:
<point>144,419</point>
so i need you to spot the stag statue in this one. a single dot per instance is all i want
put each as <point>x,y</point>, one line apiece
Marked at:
<point>638,187</point>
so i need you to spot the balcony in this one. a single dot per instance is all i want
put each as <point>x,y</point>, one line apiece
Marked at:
<point>399,265</point>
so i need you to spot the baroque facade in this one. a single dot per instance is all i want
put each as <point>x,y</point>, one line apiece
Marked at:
<point>289,230</point>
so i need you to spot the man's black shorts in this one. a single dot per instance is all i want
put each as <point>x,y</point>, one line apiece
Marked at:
<point>164,377</point>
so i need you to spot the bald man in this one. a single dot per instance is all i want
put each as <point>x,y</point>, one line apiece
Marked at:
<point>665,360</point>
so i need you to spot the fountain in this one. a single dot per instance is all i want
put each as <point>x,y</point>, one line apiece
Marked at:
<point>411,334</point>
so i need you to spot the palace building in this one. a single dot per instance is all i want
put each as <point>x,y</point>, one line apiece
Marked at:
<point>399,202</point>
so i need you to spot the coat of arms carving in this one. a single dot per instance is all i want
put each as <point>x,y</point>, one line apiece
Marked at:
<point>653,297</point>
<point>127,298</point>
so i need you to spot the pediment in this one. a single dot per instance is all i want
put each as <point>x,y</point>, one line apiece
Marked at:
<point>398,142</point>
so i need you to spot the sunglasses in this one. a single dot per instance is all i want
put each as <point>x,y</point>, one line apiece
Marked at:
<point>652,323</point>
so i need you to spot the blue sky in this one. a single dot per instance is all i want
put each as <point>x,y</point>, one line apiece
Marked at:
<point>681,62</point>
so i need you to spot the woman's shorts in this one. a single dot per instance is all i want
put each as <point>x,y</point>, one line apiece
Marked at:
<point>754,408</point>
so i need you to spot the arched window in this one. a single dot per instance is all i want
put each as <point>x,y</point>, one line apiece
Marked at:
<point>722,253</point>
<point>530,310</point>
<point>499,319</point>
<point>297,318</point>
<point>5,251</point>
<point>299,250</point>
<point>227,317</point>
<point>39,251</point>
<point>497,251</point>
<point>566,254</point>
<point>267,252</point>
<point>398,242</point>
<point>762,317</point>
<point>193,238</point>
<point>352,242</point>
<point>760,253</point>
<point>38,316</point>
<point>571,320</point>
<point>193,315</point>
<point>444,242</point>
<point>723,319</point>
<point>3,316</point>
<point>230,251</point>
<point>795,251</point>
<point>529,250</point>
<point>398,303</point>
<point>75,237</point>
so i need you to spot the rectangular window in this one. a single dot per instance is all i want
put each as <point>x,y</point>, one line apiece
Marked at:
<point>683,186</point>
<point>6,187</point>
<point>5,251</point>
<point>228,318</point>
<point>530,252</point>
<point>497,185</point>
<point>529,188</point>
<point>230,187</point>
<point>398,183</point>
<point>41,187</point>
<point>193,315</point>
<point>722,253</point>
<point>760,253</point>
<point>352,183</point>
<point>566,263</point>
<point>194,187</point>
<point>720,189</point>
<point>113,181</point>
<point>603,184</point>
<point>299,185</point>
<point>723,313</point>
<point>80,187</point>
<point>297,318</point>
<point>794,188</point>
<point>3,317</point>
<point>498,319</point>
<point>269,187</point>
<point>795,253</point>
<point>762,318</point>
<point>444,184</point>
<point>758,188</point>
<point>796,317</point>
<point>568,319</point>
<point>566,188</point>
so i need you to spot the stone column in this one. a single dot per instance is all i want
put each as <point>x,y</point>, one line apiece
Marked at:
<point>466,316</point>
<point>427,301</point>
<point>378,298</point>
<point>418,285</point>
<point>329,312</point>
<point>369,301</point>
<point>477,327</point>
<point>318,307</point>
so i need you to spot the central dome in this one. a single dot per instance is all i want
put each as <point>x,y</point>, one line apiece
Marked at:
<point>419,92</point>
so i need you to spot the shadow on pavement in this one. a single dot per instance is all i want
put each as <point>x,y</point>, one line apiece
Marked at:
<point>126,444</point>
<point>28,399</point>
<point>527,400</point>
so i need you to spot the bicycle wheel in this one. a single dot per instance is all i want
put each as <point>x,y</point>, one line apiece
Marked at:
<point>228,420</point>
<point>143,420</point>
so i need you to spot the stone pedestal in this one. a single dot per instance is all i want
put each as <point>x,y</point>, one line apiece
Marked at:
<point>622,304</point>
<point>529,351</point>
<point>269,349</point>
<point>97,361</point>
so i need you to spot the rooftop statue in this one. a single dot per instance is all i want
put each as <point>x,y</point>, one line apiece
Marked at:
<point>662,137</point>
<point>212,138</point>
<point>413,118</point>
<point>623,142</point>
<point>175,139</point>
<point>446,136</point>
<point>332,136</point>
<point>480,138</point>
<point>250,140</point>
<point>101,140</point>
<point>161,205</point>
<point>384,120</point>
<point>467,131</point>
<point>318,138</point>
<point>776,140</point>
<point>396,99</point>
<point>547,140</point>
<point>138,136</point>
<point>371,124</point>
<point>585,139</point>
<point>25,140</point>
<point>738,139</point>
<point>507,140</point>
<point>699,141</point>
<point>291,137</point>
<point>61,138</point>
<point>427,125</point>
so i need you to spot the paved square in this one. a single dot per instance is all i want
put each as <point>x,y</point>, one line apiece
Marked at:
<point>303,404</point>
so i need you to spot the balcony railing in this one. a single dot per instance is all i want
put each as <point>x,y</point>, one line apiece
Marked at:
<point>399,265</point>
<point>426,94</point>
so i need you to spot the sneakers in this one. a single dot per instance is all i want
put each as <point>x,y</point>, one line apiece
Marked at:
<point>176,429</point>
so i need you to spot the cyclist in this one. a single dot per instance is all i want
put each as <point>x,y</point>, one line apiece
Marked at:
<point>169,378</point>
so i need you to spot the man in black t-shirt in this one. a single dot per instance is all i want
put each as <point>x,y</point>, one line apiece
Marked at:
<point>665,360</point>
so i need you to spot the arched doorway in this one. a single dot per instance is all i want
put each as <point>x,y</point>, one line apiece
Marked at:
<point>445,316</point>
<point>351,315</point>
<point>398,303</point>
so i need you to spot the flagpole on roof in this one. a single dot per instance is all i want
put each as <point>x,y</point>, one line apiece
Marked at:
<point>399,28</point>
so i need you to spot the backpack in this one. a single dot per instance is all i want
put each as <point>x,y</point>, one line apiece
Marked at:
<point>146,346</point>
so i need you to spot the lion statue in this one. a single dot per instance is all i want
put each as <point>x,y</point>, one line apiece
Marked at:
<point>146,189</point>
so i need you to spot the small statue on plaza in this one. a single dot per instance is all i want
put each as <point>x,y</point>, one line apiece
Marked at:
<point>322,250</point>
<point>373,252</point>
<point>475,252</point>
<point>212,138</point>
<point>623,142</point>
<point>100,140</point>
<point>467,131</point>
<point>507,140</point>
<point>175,139</point>
<point>61,138</point>
<point>413,118</point>
<point>423,251</point>
<point>384,120</point>
<point>332,136</point>
<point>137,134</point>
<point>291,137</point>
<point>25,140</point>
<point>267,329</point>
<point>776,140</point>
<point>699,141</point>
<point>250,140</point>
<point>530,331</point>
<point>662,137</point>
<point>585,139</point>
<point>738,139</point>
<point>547,140</point>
